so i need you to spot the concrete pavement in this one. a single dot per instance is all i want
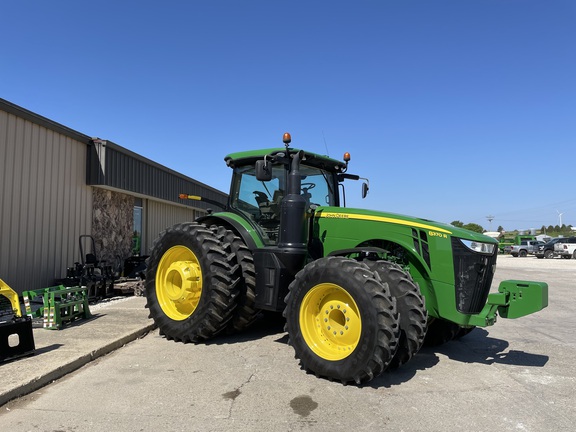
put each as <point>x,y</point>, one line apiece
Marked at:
<point>58,352</point>
<point>516,375</point>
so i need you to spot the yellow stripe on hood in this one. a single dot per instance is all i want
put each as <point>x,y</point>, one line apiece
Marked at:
<point>381,219</point>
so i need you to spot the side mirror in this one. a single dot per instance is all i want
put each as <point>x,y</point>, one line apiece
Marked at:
<point>364,190</point>
<point>263,170</point>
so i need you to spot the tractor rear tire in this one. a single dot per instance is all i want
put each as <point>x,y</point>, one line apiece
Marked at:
<point>410,305</point>
<point>191,283</point>
<point>341,321</point>
<point>245,313</point>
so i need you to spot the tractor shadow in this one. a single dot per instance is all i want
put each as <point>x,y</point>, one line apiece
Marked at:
<point>479,347</point>
<point>476,347</point>
<point>268,324</point>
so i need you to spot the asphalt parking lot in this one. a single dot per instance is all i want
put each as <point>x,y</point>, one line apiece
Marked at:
<point>518,375</point>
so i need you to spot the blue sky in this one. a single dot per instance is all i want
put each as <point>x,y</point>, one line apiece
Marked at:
<point>454,109</point>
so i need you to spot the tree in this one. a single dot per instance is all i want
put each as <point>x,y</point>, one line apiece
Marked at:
<point>457,224</point>
<point>500,228</point>
<point>474,227</point>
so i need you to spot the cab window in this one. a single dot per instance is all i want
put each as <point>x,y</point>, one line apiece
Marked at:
<point>260,201</point>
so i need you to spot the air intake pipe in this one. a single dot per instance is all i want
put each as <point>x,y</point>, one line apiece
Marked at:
<point>293,229</point>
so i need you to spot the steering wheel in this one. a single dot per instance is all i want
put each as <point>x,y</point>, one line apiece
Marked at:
<point>307,186</point>
<point>260,196</point>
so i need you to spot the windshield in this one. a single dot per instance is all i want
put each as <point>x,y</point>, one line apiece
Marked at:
<point>260,201</point>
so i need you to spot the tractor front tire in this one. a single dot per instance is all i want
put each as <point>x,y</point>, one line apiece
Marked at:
<point>440,331</point>
<point>341,321</point>
<point>191,283</point>
<point>410,305</point>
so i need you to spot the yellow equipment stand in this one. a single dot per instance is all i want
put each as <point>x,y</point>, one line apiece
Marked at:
<point>16,336</point>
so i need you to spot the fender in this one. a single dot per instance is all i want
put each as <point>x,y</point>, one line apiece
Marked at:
<point>238,224</point>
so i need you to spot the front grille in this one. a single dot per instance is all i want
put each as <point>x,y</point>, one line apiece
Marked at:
<point>473,273</point>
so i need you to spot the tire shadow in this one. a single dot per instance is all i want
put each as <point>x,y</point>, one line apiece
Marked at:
<point>425,359</point>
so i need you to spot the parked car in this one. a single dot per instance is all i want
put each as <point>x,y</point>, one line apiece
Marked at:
<point>566,249</point>
<point>505,244</point>
<point>526,247</point>
<point>547,249</point>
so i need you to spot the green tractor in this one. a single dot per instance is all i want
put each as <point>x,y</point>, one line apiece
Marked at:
<point>361,291</point>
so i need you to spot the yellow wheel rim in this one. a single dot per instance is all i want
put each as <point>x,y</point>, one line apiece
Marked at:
<point>179,283</point>
<point>330,321</point>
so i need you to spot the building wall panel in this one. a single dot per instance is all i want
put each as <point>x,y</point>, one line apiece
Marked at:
<point>160,216</point>
<point>45,204</point>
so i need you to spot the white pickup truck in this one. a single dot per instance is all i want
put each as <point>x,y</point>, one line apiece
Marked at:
<point>566,250</point>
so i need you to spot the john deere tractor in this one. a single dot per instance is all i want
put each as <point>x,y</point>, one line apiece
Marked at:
<point>361,291</point>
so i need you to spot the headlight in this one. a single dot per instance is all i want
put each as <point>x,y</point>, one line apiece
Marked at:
<point>485,248</point>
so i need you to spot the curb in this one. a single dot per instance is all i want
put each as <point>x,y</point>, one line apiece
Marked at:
<point>74,364</point>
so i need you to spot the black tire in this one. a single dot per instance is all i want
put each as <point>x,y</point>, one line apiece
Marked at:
<point>522,253</point>
<point>245,313</point>
<point>548,254</point>
<point>203,308</point>
<point>341,321</point>
<point>440,331</point>
<point>574,254</point>
<point>567,256</point>
<point>410,305</point>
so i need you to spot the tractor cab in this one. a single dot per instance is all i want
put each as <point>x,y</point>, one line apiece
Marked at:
<point>262,179</point>
<point>260,201</point>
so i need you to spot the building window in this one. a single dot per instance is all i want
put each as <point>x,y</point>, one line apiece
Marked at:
<point>137,234</point>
